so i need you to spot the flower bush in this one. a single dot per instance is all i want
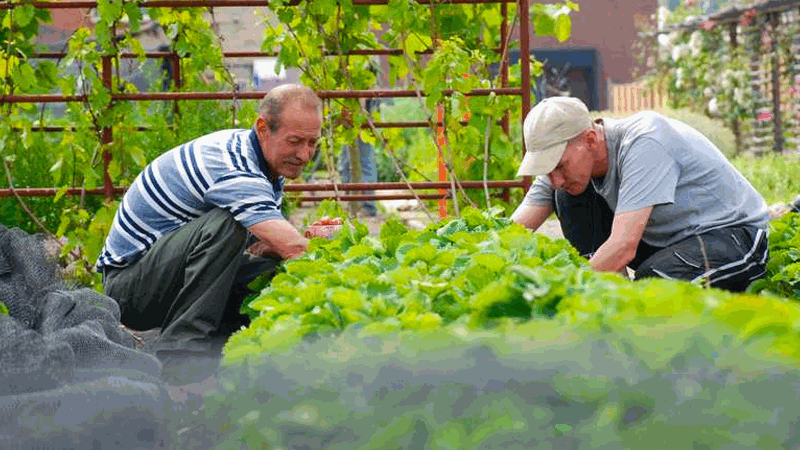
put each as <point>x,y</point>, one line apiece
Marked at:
<point>700,68</point>
<point>696,60</point>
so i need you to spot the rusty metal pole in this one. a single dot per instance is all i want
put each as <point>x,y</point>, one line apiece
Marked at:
<point>177,81</point>
<point>777,126</point>
<point>504,32</point>
<point>107,136</point>
<point>524,60</point>
<point>505,35</point>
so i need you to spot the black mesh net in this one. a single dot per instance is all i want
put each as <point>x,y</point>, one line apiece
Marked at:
<point>70,375</point>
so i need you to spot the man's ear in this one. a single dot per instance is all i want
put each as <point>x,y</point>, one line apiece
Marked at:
<point>262,126</point>
<point>591,136</point>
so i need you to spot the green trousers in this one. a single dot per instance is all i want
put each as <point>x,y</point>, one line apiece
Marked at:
<point>188,283</point>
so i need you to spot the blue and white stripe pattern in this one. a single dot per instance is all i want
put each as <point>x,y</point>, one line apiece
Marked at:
<point>225,170</point>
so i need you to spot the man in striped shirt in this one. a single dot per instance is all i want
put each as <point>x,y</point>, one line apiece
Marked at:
<point>204,219</point>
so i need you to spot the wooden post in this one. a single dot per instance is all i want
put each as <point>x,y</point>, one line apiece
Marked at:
<point>735,123</point>
<point>777,126</point>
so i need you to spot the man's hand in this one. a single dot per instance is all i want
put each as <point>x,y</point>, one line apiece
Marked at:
<point>324,227</point>
<point>262,249</point>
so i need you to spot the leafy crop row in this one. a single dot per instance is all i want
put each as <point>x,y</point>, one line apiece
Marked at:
<point>678,382</point>
<point>475,333</point>
<point>481,269</point>
<point>783,268</point>
<point>474,269</point>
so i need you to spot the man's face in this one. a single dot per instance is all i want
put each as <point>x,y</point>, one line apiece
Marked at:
<point>293,144</point>
<point>574,171</point>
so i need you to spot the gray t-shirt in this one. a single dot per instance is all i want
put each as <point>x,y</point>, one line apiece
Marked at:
<point>664,163</point>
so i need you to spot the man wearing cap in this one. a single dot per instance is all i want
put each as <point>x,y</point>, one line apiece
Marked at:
<point>645,192</point>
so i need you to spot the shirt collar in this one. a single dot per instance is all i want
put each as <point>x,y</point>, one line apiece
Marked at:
<point>262,163</point>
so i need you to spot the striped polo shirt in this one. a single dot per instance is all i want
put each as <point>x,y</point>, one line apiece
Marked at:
<point>225,169</point>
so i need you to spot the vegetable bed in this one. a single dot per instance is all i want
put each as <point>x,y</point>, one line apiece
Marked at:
<point>476,333</point>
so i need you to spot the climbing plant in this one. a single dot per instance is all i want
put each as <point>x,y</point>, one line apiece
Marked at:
<point>75,158</point>
<point>446,48</point>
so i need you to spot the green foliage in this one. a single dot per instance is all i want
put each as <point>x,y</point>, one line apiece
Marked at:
<point>3,309</point>
<point>76,159</point>
<point>783,268</point>
<point>475,270</point>
<point>775,176</point>
<point>461,38</point>
<point>305,33</point>
<point>644,378</point>
<point>18,28</point>
<point>476,266</point>
<point>701,70</point>
<point>418,338</point>
<point>712,128</point>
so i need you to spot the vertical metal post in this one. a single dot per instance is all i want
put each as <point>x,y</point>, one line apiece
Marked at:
<point>504,32</point>
<point>777,126</point>
<point>504,38</point>
<point>442,169</point>
<point>524,60</point>
<point>107,136</point>
<point>177,81</point>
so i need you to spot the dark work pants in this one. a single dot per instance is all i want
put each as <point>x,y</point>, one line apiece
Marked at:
<point>189,283</point>
<point>729,258</point>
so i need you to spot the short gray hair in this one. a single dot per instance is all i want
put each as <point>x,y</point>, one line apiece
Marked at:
<point>277,99</point>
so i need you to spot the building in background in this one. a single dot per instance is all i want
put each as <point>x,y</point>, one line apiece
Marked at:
<point>242,30</point>
<point>601,48</point>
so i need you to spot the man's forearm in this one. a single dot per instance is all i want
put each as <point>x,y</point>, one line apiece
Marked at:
<point>531,217</point>
<point>279,236</point>
<point>613,256</point>
<point>620,248</point>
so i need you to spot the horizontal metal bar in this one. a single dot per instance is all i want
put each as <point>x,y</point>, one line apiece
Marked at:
<point>80,4</point>
<point>51,192</point>
<point>248,95</point>
<point>354,198</point>
<point>294,187</point>
<point>366,126</point>
<point>54,129</point>
<point>422,185</point>
<point>377,51</point>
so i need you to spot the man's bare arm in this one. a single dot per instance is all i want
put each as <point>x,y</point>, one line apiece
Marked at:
<point>620,248</point>
<point>279,237</point>
<point>531,217</point>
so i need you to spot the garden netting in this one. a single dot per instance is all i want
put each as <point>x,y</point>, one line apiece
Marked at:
<point>70,375</point>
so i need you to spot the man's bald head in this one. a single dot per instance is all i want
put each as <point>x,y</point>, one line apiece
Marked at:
<point>275,102</point>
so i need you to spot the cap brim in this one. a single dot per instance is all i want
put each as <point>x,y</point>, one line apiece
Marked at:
<point>543,162</point>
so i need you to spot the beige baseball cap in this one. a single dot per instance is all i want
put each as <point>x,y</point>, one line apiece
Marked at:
<point>548,127</point>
